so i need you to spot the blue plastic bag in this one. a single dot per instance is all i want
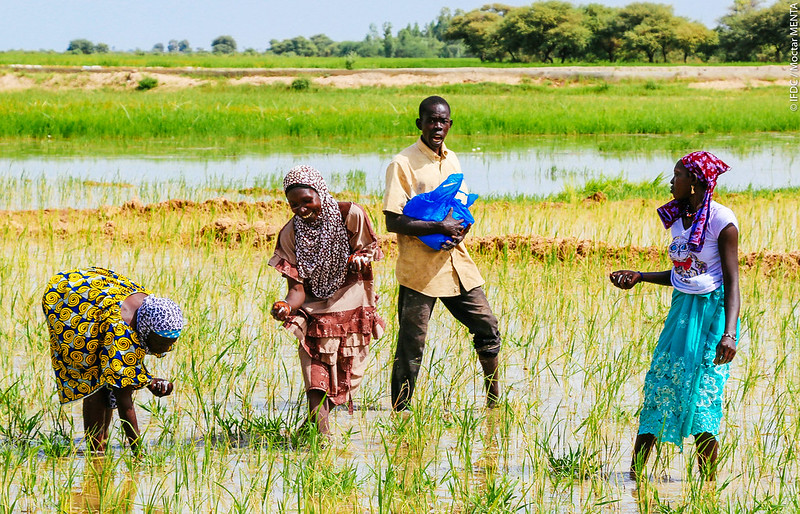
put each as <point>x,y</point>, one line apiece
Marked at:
<point>434,206</point>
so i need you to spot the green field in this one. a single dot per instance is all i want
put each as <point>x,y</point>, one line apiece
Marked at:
<point>576,350</point>
<point>250,119</point>
<point>575,353</point>
<point>209,60</point>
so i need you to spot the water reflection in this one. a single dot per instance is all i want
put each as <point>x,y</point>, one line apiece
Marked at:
<point>100,491</point>
<point>539,170</point>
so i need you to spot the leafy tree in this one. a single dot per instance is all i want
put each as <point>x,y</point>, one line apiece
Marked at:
<point>736,41</point>
<point>279,47</point>
<point>223,45</point>
<point>295,46</point>
<point>410,45</point>
<point>324,44</point>
<point>438,29</point>
<point>478,30</point>
<point>184,46</point>
<point>692,36</point>
<point>604,25</point>
<point>569,36</point>
<point>544,29</point>
<point>158,48</point>
<point>101,48</point>
<point>80,46</point>
<point>744,6</point>
<point>372,46</point>
<point>648,28</point>
<point>748,33</point>
<point>644,38</point>
<point>519,33</point>
<point>347,48</point>
<point>388,40</point>
<point>303,47</point>
<point>771,26</point>
<point>172,46</point>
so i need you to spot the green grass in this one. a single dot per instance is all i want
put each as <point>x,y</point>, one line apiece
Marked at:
<point>575,354</point>
<point>208,60</point>
<point>231,116</point>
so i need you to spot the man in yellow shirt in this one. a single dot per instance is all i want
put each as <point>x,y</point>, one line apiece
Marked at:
<point>426,275</point>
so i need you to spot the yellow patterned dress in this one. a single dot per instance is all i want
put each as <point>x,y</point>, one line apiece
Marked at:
<point>90,345</point>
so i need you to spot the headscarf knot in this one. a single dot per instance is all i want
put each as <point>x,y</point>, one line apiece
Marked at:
<point>707,168</point>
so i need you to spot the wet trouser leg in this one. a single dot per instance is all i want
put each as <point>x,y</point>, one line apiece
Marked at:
<point>413,312</point>
<point>472,309</point>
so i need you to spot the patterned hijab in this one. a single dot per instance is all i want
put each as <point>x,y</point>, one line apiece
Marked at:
<point>706,167</point>
<point>160,316</point>
<point>321,245</point>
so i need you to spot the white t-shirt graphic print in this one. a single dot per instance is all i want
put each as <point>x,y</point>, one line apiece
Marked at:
<point>701,272</point>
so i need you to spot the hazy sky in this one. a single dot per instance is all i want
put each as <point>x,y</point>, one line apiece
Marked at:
<point>127,25</point>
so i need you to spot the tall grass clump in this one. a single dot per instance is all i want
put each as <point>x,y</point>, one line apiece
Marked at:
<point>220,113</point>
<point>147,83</point>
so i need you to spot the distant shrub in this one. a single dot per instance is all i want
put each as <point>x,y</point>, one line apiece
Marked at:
<point>301,84</point>
<point>147,83</point>
<point>350,60</point>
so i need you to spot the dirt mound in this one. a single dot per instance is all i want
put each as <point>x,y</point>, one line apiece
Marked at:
<point>95,77</point>
<point>597,197</point>
<point>228,230</point>
<point>771,262</point>
<point>728,84</point>
<point>219,204</point>
<point>543,248</point>
<point>227,222</point>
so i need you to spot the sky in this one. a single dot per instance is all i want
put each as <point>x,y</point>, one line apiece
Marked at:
<point>127,25</point>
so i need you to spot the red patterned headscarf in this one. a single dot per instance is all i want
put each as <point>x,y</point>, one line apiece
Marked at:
<point>706,167</point>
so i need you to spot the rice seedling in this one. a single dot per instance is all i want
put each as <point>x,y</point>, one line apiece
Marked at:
<point>574,358</point>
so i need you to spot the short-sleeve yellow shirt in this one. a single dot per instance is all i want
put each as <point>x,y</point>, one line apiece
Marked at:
<point>435,273</point>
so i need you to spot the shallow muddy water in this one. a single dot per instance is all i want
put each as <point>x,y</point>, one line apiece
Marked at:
<point>574,359</point>
<point>538,170</point>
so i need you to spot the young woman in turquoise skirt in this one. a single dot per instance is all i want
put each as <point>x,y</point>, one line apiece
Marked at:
<point>684,386</point>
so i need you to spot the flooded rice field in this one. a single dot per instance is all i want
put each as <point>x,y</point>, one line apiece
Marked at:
<point>575,349</point>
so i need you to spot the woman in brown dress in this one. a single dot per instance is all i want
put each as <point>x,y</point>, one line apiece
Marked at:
<point>325,252</point>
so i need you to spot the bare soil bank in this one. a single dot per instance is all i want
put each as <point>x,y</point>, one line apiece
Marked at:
<point>18,77</point>
<point>224,222</point>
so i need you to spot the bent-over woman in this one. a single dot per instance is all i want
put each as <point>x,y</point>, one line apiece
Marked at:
<point>683,388</point>
<point>101,326</point>
<point>325,252</point>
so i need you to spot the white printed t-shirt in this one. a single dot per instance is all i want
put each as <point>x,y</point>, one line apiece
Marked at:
<point>699,273</point>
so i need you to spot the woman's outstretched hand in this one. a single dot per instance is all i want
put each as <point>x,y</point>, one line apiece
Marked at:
<point>358,263</point>
<point>726,350</point>
<point>281,310</point>
<point>160,387</point>
<point>625,279</point>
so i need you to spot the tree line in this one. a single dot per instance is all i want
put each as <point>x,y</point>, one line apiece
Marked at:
<point>547,31</point>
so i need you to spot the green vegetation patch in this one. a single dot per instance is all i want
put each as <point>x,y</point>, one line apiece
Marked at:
<point>217,113</point>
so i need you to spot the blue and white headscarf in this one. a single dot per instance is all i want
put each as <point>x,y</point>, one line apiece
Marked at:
<point>161,316</point>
